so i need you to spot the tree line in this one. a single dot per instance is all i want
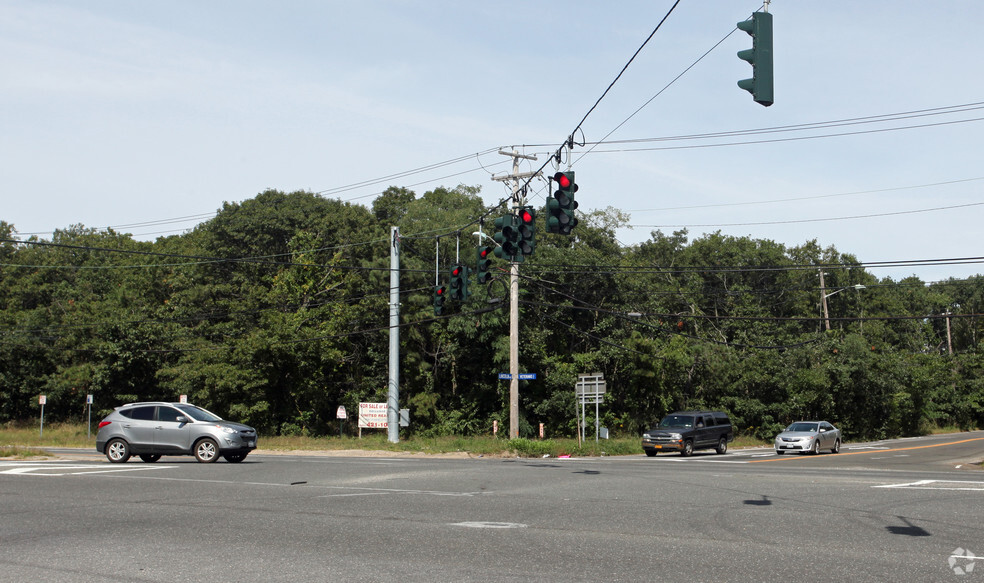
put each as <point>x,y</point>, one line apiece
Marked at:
<point>276,311</point>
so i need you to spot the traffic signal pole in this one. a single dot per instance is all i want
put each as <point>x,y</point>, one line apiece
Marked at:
<point>393,396</point>
<point>518,200</point>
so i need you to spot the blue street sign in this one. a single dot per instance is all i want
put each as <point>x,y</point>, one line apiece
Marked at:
<point>527,376</point>
<point>505,375</point>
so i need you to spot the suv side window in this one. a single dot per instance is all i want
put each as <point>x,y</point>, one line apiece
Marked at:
<point>168,414</point>
<point>140,413</point>
<point>709,420</point>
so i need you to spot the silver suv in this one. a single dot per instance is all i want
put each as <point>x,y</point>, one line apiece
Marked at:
<point>151,430</point>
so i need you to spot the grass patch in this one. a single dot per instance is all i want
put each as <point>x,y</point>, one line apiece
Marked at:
<point>55,435</point>
<point>20,453</point>
<point>28,435</point>
<point>479,445</point>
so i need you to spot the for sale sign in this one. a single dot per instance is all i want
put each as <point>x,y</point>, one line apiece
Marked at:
<point>372,415</point>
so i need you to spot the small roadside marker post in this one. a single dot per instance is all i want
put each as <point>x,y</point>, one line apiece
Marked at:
<point>41,401</point>
<point>88,404</point>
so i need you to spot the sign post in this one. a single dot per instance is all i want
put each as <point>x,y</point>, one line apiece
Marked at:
<point>590,388</point>
<point>42,399</point>
<point>341,415</point>
<point>88,405</point>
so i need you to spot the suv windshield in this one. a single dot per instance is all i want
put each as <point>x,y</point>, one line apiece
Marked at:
<point>198,414</point>
<point>677,421</point>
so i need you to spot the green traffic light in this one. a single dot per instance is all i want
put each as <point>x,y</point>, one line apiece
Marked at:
<point>561,207</point>
<point>760,57</point>
<point>483,261</point>
<point>439,294</point>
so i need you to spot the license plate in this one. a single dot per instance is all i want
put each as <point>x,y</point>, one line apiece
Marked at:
<point>788,446</point>
<point>657,447</point>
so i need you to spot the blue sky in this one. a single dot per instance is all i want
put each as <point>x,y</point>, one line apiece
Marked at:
<point>148,116</point>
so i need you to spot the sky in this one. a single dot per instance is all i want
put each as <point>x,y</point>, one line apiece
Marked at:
<point>147,116</point>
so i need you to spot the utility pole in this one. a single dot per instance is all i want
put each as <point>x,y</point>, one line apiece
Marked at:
<point>518,200</point>
<point>949,338</point>
<point>823,300</point>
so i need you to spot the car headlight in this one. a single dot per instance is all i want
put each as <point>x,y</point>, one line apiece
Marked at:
<point>225,429</point>
<point>676,436</point>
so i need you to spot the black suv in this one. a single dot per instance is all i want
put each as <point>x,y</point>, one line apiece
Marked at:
<point>686,431</point>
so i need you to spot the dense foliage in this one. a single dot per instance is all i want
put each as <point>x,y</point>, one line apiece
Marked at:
<point>276,312</point>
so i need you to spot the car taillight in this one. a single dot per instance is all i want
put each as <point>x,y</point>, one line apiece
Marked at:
<point>104,424</point>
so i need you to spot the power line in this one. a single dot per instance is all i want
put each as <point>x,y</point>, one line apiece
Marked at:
<point>800,198</point>
<point>816,220</point>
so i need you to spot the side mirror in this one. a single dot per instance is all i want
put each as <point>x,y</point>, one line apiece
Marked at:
<point>182,419</point>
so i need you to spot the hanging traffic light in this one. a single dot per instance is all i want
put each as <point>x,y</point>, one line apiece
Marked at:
<point>483,261</point>
<point>527,230</point>
<point>561,207</point>
<point>440,292</point>
<point>459,283</point>
<point>760,57</point>
<point>507,236</point>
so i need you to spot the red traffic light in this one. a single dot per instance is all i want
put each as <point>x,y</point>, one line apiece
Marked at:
<point>563,179</point>
<point>484,252</point>
<point>456,271</point>
<point>526,215</point>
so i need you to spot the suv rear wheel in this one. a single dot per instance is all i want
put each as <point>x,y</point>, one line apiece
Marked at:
<point>118,451</point>
<point>722,447</point>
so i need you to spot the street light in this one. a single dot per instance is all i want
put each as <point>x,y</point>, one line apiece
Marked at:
<point>823,299</point>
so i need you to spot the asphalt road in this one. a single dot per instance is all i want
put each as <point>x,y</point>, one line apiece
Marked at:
<point>905,510</point>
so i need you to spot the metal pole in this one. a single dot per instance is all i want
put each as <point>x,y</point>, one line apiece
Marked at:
<point>393,400</point>
<point>597,423</point>
<point>514,350</point>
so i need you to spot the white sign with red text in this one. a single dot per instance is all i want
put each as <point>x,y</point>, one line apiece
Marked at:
<point>372,415</point>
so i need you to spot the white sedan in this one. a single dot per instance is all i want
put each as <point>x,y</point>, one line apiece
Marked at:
<point>809,436</point>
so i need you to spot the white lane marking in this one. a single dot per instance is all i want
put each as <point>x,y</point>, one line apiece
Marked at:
<point>356,494</point>
<point>72,470</point>
<point>367,491</point>
<point>938,485</point>
<point>489,524</point>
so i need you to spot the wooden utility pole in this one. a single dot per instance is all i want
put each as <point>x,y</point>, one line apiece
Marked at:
<point>518,200</point>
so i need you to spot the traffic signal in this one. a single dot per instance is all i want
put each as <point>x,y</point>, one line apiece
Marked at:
<point>440,292</point>
<point>760,56</point>
<point>507,236</point>
<point>459,283</point>
<point>527,230</point>
<point>483,262</point>
<point>561,206</point>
